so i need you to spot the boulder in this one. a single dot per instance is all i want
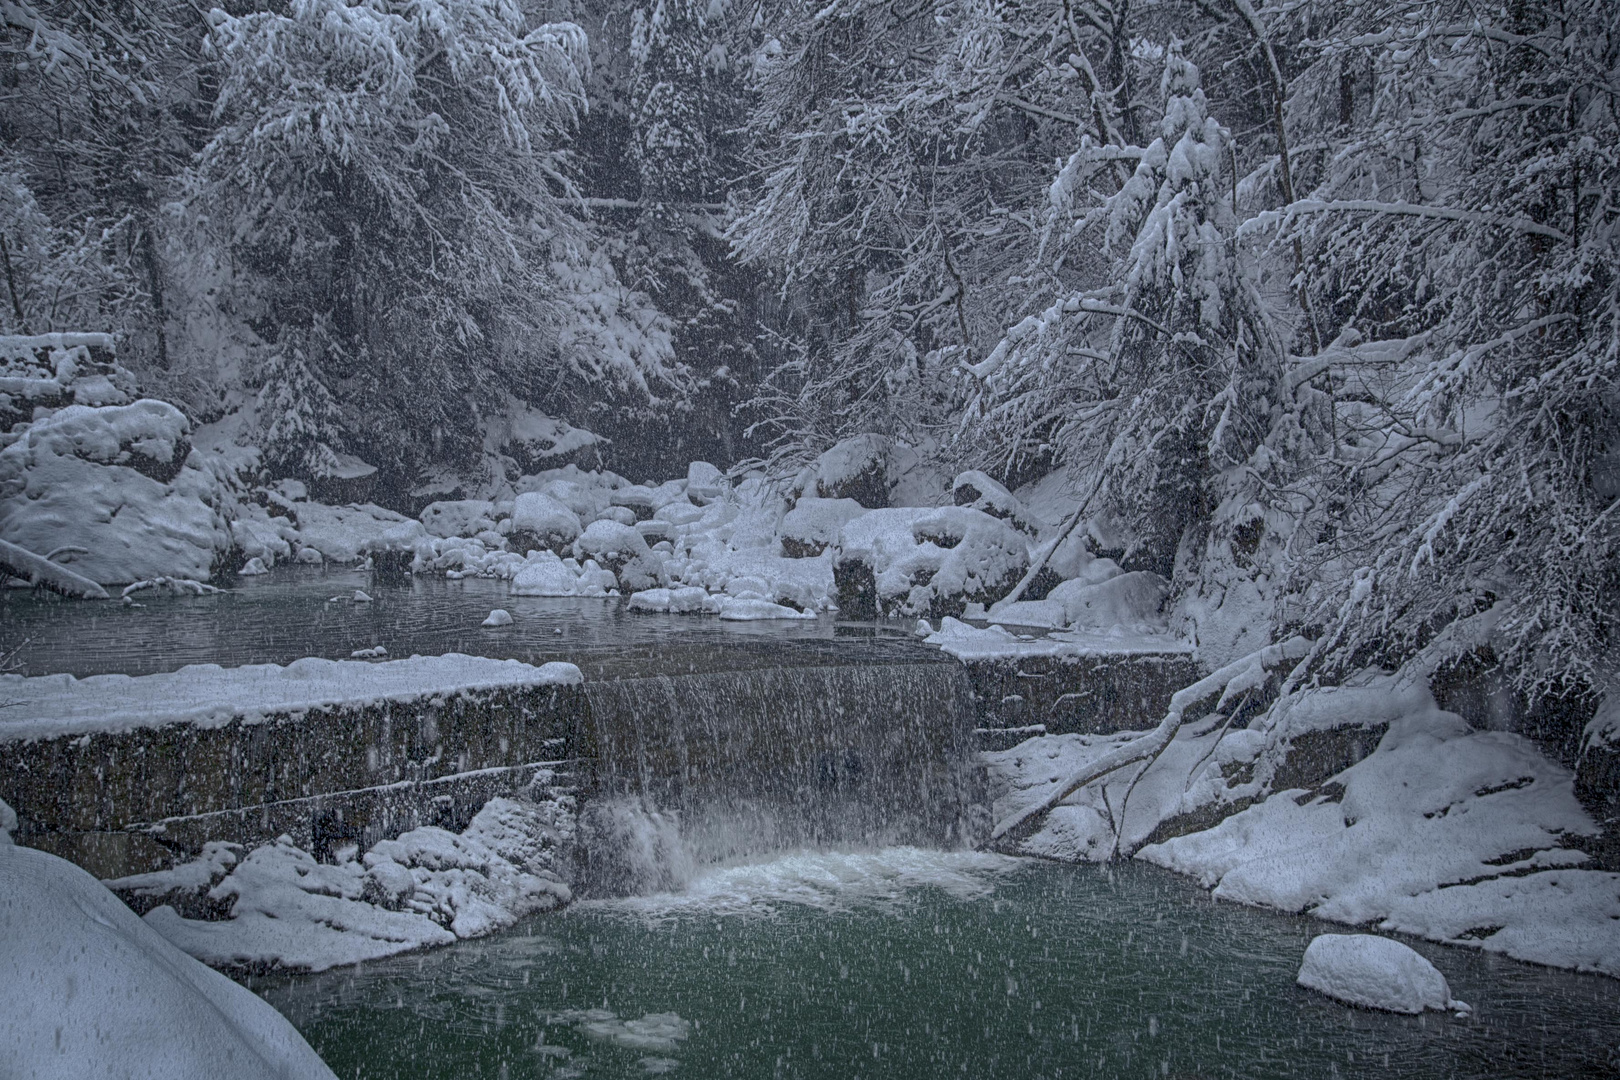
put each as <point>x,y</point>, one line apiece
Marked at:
<point>541,522</point>
<point>121,483</point>
<point>1375,973</point>
<point>982,492</point>
<point>815,523</point>
<point>462,517</point>
<point>859,468</point>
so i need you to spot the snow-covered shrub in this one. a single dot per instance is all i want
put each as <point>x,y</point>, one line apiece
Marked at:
<point>54,370</point>
<point>121,484</point>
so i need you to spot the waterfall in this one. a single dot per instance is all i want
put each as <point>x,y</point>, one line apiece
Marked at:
<point>778,758</point>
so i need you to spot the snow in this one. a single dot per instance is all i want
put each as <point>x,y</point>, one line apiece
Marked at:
<point>704,481</point>
<point>207,694</point>
<point>119,483</point>
<point>435,887</point>
<point>1133,601</point>
<point>1375,973</point>
<point>92,990</point>
<point>498,617</point>
<point>1445,832</point>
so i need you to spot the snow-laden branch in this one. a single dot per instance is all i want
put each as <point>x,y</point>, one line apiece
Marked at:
<point>1270,219</point>
<point>1236,678</point>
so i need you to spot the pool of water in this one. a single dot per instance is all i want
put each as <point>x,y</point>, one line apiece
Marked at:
<point>906,963</point>
<point>292,613</point>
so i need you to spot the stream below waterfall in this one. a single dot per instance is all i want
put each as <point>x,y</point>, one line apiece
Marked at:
<point>909,963</point>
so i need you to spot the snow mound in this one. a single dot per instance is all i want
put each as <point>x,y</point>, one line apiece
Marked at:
<point>498,617</point>
<point>982,492</point>
<point>427,887</point>
<point>931,563</point>
<point>547,575</point>
<point>344,534</point>
<point>94,991</point>
<point>120,483</point>
<point>1134,601</point>
<point>1375,973</point>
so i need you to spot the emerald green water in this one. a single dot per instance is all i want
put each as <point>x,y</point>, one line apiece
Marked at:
<point>920,964</point>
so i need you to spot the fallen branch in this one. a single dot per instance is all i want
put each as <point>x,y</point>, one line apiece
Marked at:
<point>1236,678</point>
<point>40,572</point>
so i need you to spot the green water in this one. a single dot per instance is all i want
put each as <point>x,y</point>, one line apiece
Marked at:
<point>918,964</point>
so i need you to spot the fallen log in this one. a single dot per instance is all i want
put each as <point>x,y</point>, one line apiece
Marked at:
<point>40,572</point>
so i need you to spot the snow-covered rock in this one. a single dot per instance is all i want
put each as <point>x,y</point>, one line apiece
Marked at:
<point>982,492</point>
<point>122,484</point>
<point>704,482</point>
<point>859,468</point>
<point>621,549</point>
<point>427,887</point>
<point>546,575</point>
<point>1444,832</point>
<point>464,517</point>
<point>541,521</point>
<point>344,534</point>
<point>1375,973</point>
<point>682,601</point>
<point>928,562</point>
<point>49,371</point>
<point>1133,601</point>
<point>813,524</point>
<point>748,609</point>
<point>92,990</point>
<point>498,617</point>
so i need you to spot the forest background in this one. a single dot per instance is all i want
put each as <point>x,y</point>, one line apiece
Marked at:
<point>1312,302</point>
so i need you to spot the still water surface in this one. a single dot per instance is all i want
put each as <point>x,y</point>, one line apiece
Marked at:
<point>907,963</point>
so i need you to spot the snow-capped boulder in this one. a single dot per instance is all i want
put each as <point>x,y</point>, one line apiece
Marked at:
<point>463,517</point>
<point>542,522</point>
<point>96,991</point>
<point>546,575</point>
<point>121,483</point>
<point>982,492</point>
<point>690,600</point>
<point>621,514</point>
<point>637,498</point>
<point>858,468</point>
<point>814,523</point>
<point>927,562</point>
<point>1375,973</point>
<point>1597,770</point>
<point>52,371</point>
<point>620,549</point>
<point>704,482</point>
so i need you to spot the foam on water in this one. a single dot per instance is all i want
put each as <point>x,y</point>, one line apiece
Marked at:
<point>826,881</point>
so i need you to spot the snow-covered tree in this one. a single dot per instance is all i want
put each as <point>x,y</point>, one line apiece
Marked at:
<point>391,172</point>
